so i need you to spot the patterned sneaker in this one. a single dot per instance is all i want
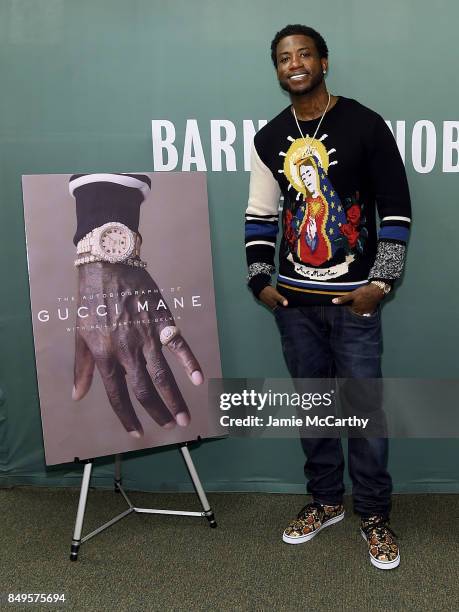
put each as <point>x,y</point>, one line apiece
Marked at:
<point>310,520</point>
<point>382,544</point>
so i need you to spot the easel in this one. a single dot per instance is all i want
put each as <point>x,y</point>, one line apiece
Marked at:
<point>77,540</point>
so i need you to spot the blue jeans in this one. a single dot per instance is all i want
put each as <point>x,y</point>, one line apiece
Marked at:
<point>325,341</point>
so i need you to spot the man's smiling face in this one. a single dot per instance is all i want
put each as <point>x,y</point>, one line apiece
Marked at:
<point>299,67</point>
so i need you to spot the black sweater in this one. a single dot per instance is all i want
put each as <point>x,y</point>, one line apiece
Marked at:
<point>331,194</point>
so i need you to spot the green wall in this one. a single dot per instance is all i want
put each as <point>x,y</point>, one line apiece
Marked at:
<point>81,83</point>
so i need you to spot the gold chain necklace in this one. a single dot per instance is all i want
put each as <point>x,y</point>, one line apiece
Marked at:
<point>308,144</point>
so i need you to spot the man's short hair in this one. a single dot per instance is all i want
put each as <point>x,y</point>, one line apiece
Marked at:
<point>297,28</point>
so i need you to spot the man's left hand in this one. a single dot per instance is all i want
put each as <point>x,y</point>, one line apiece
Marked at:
<point>364,300</point>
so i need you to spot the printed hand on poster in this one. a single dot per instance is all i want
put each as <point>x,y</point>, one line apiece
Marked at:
<point>131,348</point>
<point>121,338</point>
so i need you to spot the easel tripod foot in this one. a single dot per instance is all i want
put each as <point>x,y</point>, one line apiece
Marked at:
<point>74,550</point>
<point>211,518</point>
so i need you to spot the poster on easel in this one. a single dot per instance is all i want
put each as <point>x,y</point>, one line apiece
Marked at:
<point>123,310</point>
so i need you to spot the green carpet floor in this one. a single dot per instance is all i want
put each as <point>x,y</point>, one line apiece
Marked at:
<point>171,563</point>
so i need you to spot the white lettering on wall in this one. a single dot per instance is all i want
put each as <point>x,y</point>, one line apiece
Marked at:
<point>399,135</point>
<point>224,135</point>
<point>161,144</point>
<point>451,146</point>
<point>192,148</point>
<point>424,133</point>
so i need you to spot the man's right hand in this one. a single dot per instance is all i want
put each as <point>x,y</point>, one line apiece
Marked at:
<point>272,298</point>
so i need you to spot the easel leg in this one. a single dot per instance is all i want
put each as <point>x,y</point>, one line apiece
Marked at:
<point>78,540</point>
<point>117,473</point>
<point>80,513</point>
<point>198,486</point>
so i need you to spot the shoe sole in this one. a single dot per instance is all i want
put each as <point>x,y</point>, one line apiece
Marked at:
<point>384,565</point>
<point>300,539</point>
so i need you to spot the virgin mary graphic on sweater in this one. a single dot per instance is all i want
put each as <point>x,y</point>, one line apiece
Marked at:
<point>312,228</point>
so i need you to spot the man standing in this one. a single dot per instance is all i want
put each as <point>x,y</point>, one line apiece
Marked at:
<point>336,165</point>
